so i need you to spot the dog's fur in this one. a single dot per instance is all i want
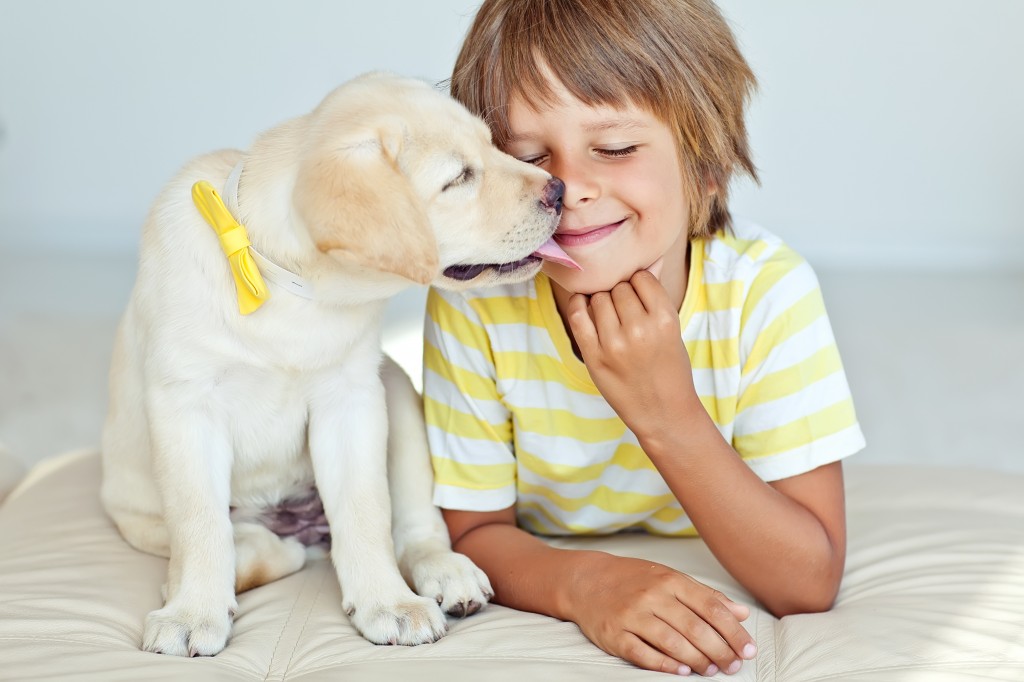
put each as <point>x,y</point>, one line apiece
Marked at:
<point>216,417</point>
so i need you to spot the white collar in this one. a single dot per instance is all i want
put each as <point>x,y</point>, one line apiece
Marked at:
<point>286,279</point>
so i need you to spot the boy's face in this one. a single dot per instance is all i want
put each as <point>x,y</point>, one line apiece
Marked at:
<point>624,208</point>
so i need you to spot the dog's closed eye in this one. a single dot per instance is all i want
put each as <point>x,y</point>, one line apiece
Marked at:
<point>466,175</point>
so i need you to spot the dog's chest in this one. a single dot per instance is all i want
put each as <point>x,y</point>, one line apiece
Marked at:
<point>269,436</point>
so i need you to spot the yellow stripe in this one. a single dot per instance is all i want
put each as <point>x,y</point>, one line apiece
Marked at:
<point>453,321</point>
<point>721,409</point>
<point>796,318</point>
<point>464,425</point>
<point>713,354</point>
<point>603,497</point>
<point>824,422</point>
<point>722,296</point>
<point>668,514</point>
<point>473,476</point>
<point>552,422</point>
<point>467,382</point>
<point>627,456</point>
<point>503,309</point>
<point>782,262</point>
<point>527,513</point>
<point>793,379</point>
<point>521,366</point>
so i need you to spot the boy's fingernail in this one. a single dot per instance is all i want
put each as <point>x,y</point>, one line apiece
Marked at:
<point>749,651</point>
<point>734,667</point>
<point>684,670</point>
<point>712,670</point>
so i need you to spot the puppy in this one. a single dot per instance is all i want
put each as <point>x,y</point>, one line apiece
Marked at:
<point>245,379</point>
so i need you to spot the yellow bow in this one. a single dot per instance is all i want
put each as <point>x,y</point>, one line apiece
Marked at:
<point>252,291</point>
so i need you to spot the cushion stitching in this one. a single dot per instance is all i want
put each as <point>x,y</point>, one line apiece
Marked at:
<point>298,638</point>
<point>280,636</point>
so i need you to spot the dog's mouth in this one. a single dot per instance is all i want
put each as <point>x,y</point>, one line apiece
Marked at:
<point>549,250</point>
<point>463,273</point>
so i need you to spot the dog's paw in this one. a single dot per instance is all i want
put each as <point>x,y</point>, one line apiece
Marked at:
<point>181,631</point>
<point>405,620</point>
<point>454,581</point>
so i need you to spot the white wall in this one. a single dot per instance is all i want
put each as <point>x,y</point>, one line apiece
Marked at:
<point>888,133</point>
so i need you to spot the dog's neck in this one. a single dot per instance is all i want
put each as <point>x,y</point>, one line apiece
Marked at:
<point>282,277</point>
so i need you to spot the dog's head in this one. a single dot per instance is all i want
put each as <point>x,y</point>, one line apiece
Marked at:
<point>400,178</point>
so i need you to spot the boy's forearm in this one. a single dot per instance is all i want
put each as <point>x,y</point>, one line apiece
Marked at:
<point>776,548</point>
<point>525,572</point>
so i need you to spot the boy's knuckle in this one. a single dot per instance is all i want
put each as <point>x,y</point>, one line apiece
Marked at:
<point>716,610</point>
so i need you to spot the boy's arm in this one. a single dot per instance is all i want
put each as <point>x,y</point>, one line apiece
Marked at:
<point>646,613</point>
<point>786,541</point>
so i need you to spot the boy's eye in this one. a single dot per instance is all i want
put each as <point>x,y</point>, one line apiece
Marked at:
<point>533,160</point>
<point>622,151</point>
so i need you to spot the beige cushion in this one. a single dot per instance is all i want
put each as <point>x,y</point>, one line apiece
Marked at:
<point>934,591</point>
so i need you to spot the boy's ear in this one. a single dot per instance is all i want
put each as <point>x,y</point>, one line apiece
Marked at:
<point>359,206</point>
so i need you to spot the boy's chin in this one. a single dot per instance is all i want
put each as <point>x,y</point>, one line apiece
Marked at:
<point>588,283</point>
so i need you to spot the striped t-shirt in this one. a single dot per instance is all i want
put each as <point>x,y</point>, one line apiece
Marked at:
<point>513,417</point>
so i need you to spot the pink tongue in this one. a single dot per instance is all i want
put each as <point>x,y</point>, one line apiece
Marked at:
<point>551,251</point>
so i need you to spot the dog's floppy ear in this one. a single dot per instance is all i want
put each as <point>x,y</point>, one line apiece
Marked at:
<point>358,205</point>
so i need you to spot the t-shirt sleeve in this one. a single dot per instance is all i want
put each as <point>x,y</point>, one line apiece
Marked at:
<point>794,409</point>
<point>469,429</point>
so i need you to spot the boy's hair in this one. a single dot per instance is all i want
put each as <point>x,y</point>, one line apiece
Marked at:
<point>676,58</point>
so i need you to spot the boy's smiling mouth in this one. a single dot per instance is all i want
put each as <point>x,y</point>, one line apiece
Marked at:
<point>586,235</point>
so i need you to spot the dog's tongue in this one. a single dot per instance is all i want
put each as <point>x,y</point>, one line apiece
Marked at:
<point>551,251</point>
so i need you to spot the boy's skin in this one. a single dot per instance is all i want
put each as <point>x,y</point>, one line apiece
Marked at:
<point>784,541</point>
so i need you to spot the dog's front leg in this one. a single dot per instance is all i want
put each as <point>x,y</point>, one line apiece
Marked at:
<point>422,544</point>
<point>192,467</point>
<point>348,446</point>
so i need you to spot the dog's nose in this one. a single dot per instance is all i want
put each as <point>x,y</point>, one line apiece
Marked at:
<point>552,195</point>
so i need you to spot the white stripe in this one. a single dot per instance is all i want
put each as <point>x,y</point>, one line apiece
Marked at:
<point>522,338</point>
<point>716,382</point>
<point>568,451</point>
<point>537,394</point>
<point>445,392</point>
<point>450,497</point>
<point>589,517</point>
<point>516,290</point>
<point>464,450</point>
<point>466,357</point>
<point>791,352</point>
<point>782,296</point>
<point>713,325</point>
<point>805,458</point>
<point>787,409</point>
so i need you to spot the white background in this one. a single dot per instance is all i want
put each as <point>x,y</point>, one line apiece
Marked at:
<point>888,132</point>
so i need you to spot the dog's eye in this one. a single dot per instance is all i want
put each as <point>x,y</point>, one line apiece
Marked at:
<point>465,176</point>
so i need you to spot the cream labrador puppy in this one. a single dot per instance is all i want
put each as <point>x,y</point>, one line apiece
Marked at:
<point>223,426</point>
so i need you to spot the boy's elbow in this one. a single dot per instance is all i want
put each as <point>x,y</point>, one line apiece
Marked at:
<point>807,597</point>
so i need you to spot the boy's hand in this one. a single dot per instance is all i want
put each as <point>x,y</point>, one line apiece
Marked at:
<point>658,618</point>
<point>631,343</point>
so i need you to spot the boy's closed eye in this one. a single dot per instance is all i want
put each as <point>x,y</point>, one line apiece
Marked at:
<point>617,152</point>
<point>608,152</point>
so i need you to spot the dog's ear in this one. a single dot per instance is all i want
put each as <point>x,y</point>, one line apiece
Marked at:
<point>358,205</point>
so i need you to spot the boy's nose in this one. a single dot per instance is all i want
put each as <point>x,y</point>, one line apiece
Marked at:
<point>551,197</point>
